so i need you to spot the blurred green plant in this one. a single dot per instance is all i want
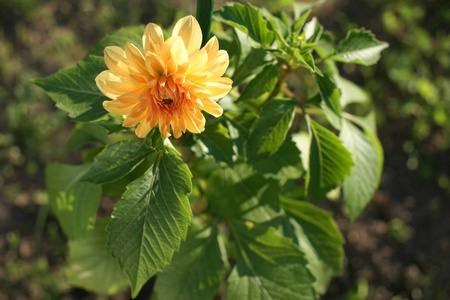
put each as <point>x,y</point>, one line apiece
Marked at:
<point>279,248</point>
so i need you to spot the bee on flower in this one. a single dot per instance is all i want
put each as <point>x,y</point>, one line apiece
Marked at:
<point>168,84</point>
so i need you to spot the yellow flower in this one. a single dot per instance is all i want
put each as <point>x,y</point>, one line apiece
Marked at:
<point>169,84</point>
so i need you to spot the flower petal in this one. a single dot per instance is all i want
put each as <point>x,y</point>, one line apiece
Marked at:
<point>118,107</point>
<point>216,89</point>
<point>189,30</point>
<point>153,38</point>
<point>211,107</point>
<point>116,60</point>
<point>135,57</point>
<point>143,129</point>
<point>155,64</point>
<point>100,81</point>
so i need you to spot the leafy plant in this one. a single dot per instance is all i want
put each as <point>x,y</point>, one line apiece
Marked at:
<point>212,205</point>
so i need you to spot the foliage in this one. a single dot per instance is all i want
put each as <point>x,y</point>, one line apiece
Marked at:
<point>271,247</point>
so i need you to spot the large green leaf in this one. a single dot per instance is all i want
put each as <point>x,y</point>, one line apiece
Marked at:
<point>269,130</point>
<point>217,142</point>
<point>196,271</point>
<point>313,30</point>
<point>74,203</point>
<point>268,267</point>
<point>86,133</point>
<point>152,218</point>
<point>238,126</point>
<point>298,24</point>
<point>248,19</point>
<point>318,236</point>
<point>251,64</point>
<point>277,24</point>
<point>131,34</point>
<point>329,162</point>
<point>304,59</point>
<point>359,46</point>
<point>330,99</point>
<point>260,87</point>
<point>91,266</point>
<point>74,89</point>
<point>240,192</point>
<point>117,160</point>
<point>350,92</point>
<point>286,163</point>
<point>364,178</point>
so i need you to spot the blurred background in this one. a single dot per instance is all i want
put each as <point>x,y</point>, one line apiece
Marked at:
<point>399,248</point>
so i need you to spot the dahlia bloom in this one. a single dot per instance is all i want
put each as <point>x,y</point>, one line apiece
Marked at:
<point>168,84</point>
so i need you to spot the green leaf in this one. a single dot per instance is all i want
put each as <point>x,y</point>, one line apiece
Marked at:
<point>319,238</point>
<point>269,130</point>
<point>91,266</point>
<point>217,142</point>
<point>242,193</point>
<point>330,99</point>
<point>359,46</point>
<point>248,19</point>
<point>364,178</point>
<point>301,7</point>
<point>131,34</point>
<point>116,188</point>
<point>74,203</point>
<point>87,133</point>
<point>268,267</point>
<point>252,64</point>
<point>350,92</point>
<point>298,24</point>
<point>196,271</point>
<point>276,25</point>
<point>313,30</point>
<point>152,218</point>
<point>286,163</point>
<point>74,90</point>
<point>117,160</point>
<point>329,162</point>
<point>325,45</point>
<point>238,126</point>
<point>260,87</point>
<point>305,60</point>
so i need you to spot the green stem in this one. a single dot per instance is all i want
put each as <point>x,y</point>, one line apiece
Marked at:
<point>205,10</point>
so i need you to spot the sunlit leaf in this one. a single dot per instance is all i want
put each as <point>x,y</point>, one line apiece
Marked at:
<point>242,193</point>
<point>284,164</point>
<point>91,266</point>
<point>248,19</point>
<point>329,162</point>
<point>116,161</point>
<point>269,130</point>
<point>330,99</point>
<point>152,218</point>
<point>217,142</point>
<point>74,89</point>
<point>364,178</point>
<point>359,46</point>
<point>86,133</point>
<point>196,271</point>
<point>260,87</point>
<point>74,203</point>
<point>317,234</point>
<point>268,267</point>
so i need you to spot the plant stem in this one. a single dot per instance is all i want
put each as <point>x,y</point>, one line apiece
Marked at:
<point>205,10</point>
